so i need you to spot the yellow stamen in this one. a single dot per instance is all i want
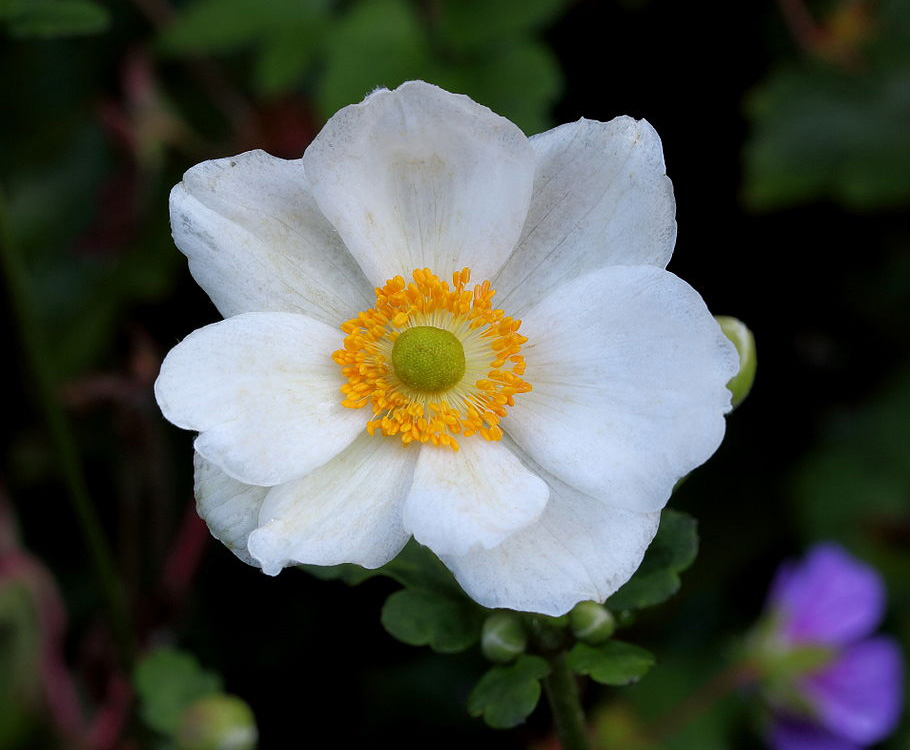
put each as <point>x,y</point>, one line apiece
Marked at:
<point>492,361</point>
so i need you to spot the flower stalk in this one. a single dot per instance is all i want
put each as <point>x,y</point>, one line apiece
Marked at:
<point>562,694</point>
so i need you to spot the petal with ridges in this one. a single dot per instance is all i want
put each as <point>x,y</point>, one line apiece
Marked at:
<point>256,241</point>
<point>418,177</point>
<point>578,550</point>
<point>830,597</point>
<point>263,392</point>
<point>601,198</point>
<point>860,696</point>
<point>346,511</point>
<point>475,497</point>
<point>229,508</point>
<point>629,372</point>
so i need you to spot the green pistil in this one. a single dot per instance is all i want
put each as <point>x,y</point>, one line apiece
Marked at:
<point>428,359</point>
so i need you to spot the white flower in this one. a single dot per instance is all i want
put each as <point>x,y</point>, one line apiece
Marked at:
<point>534,464</point>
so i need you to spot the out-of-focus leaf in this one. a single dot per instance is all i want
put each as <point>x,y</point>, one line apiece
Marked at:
<point>286,35</point>
<point>167,683</point>
<point>448,624</point>
<point>506,695</point>
<point>611,663</point>
<point>824,133</point>
<point>673,550</point>
<point>854,486</point>
<point>376,43</point>
<point>213,26</point>
<point>837,131</point>
<point>287,55</point>
<point>54,18</point>
<point>519,80</point>
<point>468,24</point>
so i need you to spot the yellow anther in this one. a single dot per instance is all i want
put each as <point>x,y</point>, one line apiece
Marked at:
<point>414,398</point>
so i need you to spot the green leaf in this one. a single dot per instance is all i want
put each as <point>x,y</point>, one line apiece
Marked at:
<point>377,43</point>
<point>673,550</point>
<point>427,618</point>
<point>286,56</point>
<point>213,26</point>
<point>167,682</point>
<point>54,18</point>
<point>611,663</point>
<point>506,695</point>
<point>415,566</point>
<point>824,133</point>
<point>348,573</point>
<point>468,24</point>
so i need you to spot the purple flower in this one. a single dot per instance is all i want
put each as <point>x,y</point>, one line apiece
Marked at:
<point>831,684</point>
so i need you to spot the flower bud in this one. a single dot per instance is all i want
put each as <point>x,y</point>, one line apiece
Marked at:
<point>217,722</point>
<point>591,622</point>
<point>503,638</point>
<point>744,341</point>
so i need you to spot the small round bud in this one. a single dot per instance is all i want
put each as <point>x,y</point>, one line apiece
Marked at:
<point>591,622</point>
<point>217,722</point>
<point>504,638</point>
<point>744,341</point>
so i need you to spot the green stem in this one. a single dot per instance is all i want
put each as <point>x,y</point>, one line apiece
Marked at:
<point>37,370</point>
<point>562,694</point>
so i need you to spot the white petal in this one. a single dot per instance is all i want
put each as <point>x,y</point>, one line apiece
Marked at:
<point>262,390</point>
<point>475,497</point>
<point>578,550</point>
<point>257,242</point>
<point>230,508</point>
<point>421,178</point>
<point>347,511</point>
<point>601,198</point>
<point>629,373</point>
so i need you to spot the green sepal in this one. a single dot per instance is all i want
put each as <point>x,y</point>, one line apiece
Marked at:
<point>611,663</point>
<point>167,683</point>
<point>419,617</point>
<point>673,550</point>
<point>506,695</point>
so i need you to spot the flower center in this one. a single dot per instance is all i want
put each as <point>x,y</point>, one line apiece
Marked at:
<point>433,361</point>
<point>428,359</point>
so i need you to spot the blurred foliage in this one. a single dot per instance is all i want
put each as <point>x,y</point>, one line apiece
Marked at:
<point>834,124</point>
<point>489,51</point>
<point>19,660</point>
<point>167,683</point>
<point>855,484</point>
<point>49,19</point>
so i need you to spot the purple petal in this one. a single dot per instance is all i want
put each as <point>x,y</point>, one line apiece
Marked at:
<point>795,734</point>
<point>828,598</point>
<point>860,695</point>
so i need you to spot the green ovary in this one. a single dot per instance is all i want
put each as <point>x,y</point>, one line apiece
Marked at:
<point>428,359</point>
